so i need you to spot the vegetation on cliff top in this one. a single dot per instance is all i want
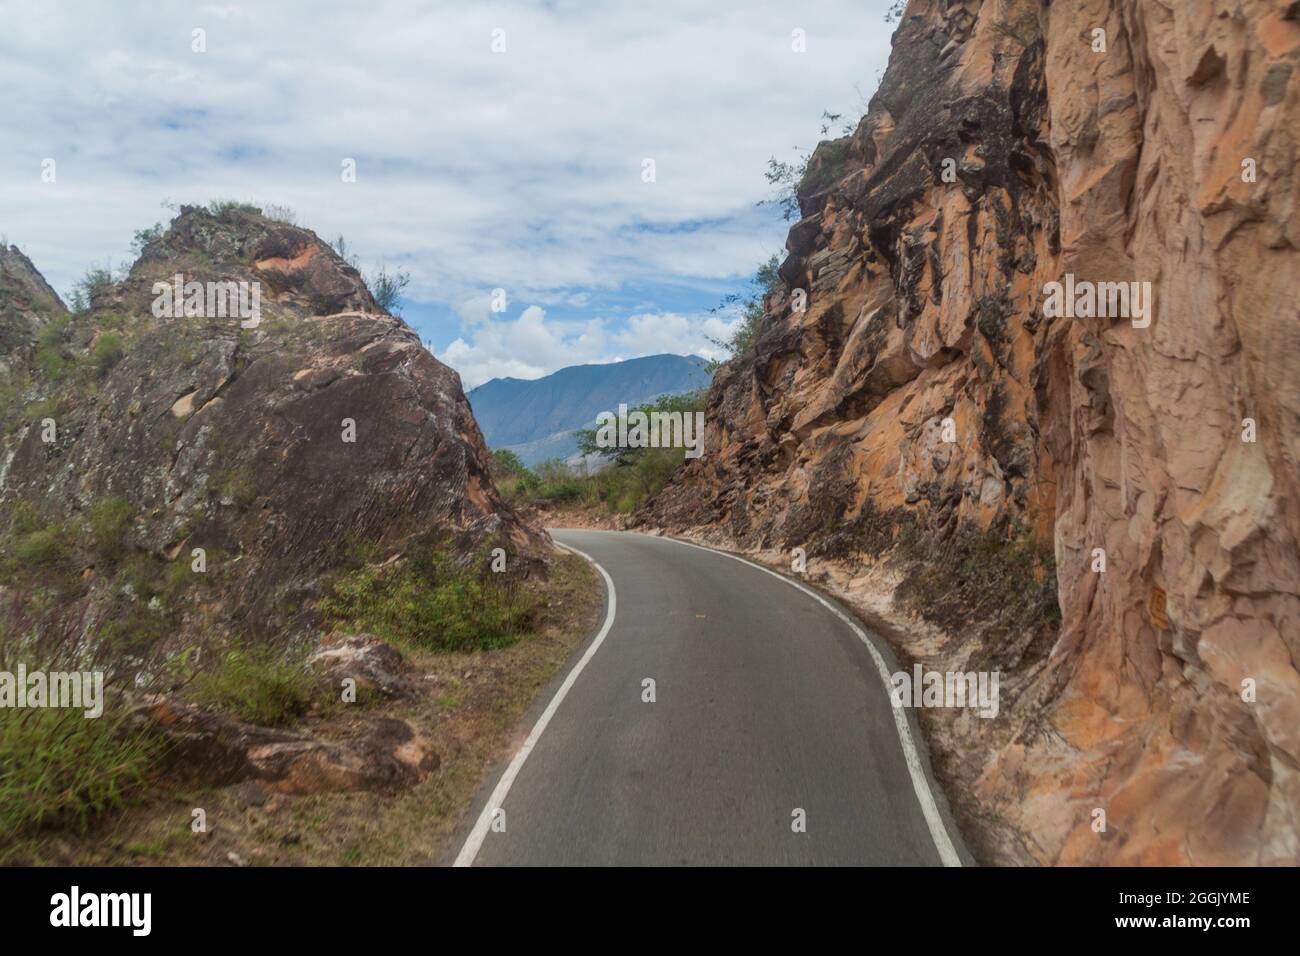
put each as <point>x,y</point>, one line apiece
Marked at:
<point>627,478</point>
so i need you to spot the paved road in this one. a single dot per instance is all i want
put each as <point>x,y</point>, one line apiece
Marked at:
<point>766,702</point>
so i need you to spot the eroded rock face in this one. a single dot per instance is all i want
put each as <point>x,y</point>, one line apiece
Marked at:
<point>1167,157</point>
<point>26,303</point>
<point>279,445</point>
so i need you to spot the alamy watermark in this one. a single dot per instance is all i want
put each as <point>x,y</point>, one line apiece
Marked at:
<point>209,300</point>
<point>75,908</point>
<point>924,688</point>
<point>1081,299</point>
<point>77,690</point>
<point>639,429</point>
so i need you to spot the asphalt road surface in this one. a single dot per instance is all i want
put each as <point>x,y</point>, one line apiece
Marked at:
<point>769,710</point>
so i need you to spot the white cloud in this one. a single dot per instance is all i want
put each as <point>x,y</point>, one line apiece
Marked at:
<point>529,346</point>
<point>475,170</point>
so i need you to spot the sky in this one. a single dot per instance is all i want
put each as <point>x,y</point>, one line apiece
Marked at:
<point>496,146</point>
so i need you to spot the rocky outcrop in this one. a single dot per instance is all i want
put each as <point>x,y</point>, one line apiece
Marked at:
<point>371,664</point>
<point>932,411</point>
<point>281,441</point>
<point>26,303</point>
<point>210,749</point>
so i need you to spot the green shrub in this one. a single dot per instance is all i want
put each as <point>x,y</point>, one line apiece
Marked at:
<point>113,320</point>
<point>506,464</point>
<point>37,412</point>
<point>557,482</point>
<point>766,278</point>
<point>97,281</point>
<point>518,485</point>
<point>238,489</point>
<point>51,334</point>
<point>110,520</point>
<point>429,602</point>
<point>49,358</point>
<point>51,363</point>
<point>43,548</point>
<point>146,237</point>
<point>256,684</point>
<point>222,207</point>
<point>387,287</point>
<point>135,630</point>
<point>107,352</point>
<point>20,517</point>
<point>632,476</point>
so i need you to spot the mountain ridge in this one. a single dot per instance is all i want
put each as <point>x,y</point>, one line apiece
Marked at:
<point>536,418</point>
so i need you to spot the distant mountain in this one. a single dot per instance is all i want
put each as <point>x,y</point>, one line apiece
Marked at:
<point>536,419</point>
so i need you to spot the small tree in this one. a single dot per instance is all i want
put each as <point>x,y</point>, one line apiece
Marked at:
<point>95,282</point>
<point>387,287</point>
<point>685,404</point>
<point>786,177</point>
<point>506,463</point>
<point>143,238</point>
<point>789,177</point>
<point>280,213</point>
<point>766,278</point>
<point>340,245</point>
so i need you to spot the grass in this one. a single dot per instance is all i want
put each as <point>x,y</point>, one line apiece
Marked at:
<point>107,351</point>
<point>257,684</point>
<point>471,706</point>
<point>35,545</point>
<point>110,520</point>
<point>238,489</point>
<point>43,548</point>
<point>222,207</point>
<point>51,363</point>
<point>57,766</point>
<point>11,390</point>
<point>427,601</point>
<point>113,320</point>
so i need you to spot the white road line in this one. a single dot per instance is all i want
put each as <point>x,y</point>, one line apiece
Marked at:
<point>498,798</point>
<point>938,831</point>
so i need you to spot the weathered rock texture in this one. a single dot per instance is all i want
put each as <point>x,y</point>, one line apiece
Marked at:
<point>26,303</point>
<point>925,304</point>
<point>234,439</point>
<point>207,748</point>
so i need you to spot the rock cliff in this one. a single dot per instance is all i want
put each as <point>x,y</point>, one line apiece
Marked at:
<point>26,303</point>
<point>281,441</point>
<point>1101,500</point>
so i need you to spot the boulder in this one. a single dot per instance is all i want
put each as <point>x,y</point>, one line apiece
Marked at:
<point>375,665</point>
<point>210,749</point>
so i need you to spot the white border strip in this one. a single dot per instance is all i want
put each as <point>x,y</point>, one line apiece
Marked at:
<point>938,831</point>
<point>476,836</point>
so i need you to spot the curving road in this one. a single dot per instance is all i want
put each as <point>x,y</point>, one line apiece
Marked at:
<point>768,701</point>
